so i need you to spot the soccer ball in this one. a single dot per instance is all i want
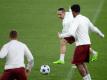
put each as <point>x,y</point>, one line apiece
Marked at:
<point>45,69</point>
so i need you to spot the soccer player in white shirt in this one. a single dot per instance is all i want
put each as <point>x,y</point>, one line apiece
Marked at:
<point>66,18</point>
<point>14,52</point>
<point>80,28</point>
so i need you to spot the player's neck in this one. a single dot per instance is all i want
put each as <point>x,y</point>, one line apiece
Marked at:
<point>76,14</point>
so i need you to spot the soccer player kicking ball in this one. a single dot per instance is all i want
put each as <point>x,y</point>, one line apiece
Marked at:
<point>79,29</point>
<point>14,52</point>
<point>67,18</point>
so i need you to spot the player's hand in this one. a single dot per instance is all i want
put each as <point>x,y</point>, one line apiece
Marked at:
<point>102,36</point>
<point>27,72</point>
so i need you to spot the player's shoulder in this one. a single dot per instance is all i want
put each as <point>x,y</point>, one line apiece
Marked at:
<point>82,17</point>
<point>6,45</point>
<point>21,43</point>
<point>85,17</point>
<point>68,14</point>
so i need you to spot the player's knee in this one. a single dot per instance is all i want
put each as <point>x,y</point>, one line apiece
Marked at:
<point>81,69</point>
<point>63,43</point>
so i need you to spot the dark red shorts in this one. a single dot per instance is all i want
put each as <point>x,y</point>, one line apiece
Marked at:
<point>70,39</point>
<point>81,54</point>
<point>14,74</point>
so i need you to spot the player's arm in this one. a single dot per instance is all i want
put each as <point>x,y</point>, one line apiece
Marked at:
<point>95,29</point>
<point>30,59</point>
<point>72,29</point>
<point>3,52</point>
<point>70,9</point>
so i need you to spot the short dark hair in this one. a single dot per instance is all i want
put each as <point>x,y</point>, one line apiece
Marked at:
<point>75,8</point>
<point>13,34</point>
<point>61,9</point>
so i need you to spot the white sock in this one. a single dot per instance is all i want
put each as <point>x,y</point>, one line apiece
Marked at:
<point>93,51</point>
<point>62,57</point>
<point>89,76</point>
<point>86,77</point>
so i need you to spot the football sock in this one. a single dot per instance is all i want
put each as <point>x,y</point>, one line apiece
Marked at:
<point>86,77</point>
<point>89,76</point>
<point>62,57</point>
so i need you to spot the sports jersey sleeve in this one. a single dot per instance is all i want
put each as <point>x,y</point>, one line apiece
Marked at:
<point>95,29</point>
<point>30,59</point>
<point>3,52</point>
<point>73,27</point>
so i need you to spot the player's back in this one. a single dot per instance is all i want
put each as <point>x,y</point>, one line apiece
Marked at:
<point>15,54</point>
<point>82,32</point>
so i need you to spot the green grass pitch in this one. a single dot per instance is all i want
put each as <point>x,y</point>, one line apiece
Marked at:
<point>37,24</point>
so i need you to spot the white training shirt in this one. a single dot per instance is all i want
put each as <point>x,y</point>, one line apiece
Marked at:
<point>14,51</point>
<point>80,28</point>
<point>67,21</point>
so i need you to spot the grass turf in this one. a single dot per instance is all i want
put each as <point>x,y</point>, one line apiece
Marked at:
<point>37,24</point>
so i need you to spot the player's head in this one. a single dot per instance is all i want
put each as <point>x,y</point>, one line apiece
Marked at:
<point>61,13</point>
<point>13,34</point>
<point>75,9</point>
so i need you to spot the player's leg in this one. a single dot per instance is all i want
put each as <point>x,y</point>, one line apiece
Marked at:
<point>85,66</point>
<point>94,54</point>
<point>81,56</point>
<point>63,44</point>
<point>88,74</point>
<point>83,71</point>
